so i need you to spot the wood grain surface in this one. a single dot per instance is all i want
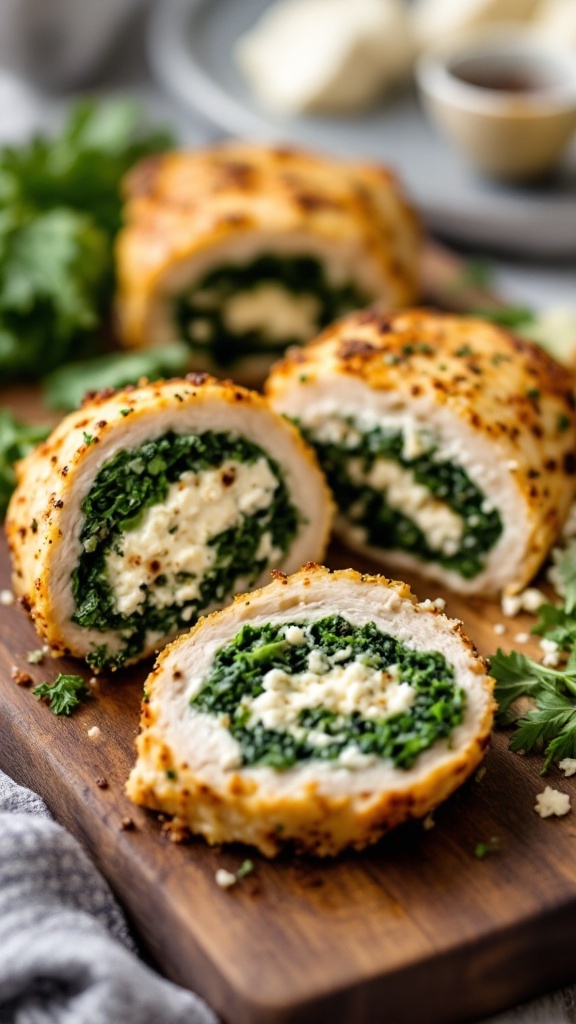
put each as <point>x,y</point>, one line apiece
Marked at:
<point>416,930</point>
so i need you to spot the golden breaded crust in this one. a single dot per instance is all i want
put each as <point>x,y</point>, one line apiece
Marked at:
<point>182,203</point>
<point>310,820</point>
<point>505,389</point>
<point>43,518</point>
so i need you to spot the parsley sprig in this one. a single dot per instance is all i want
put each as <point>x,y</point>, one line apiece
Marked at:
<point>64,694</point>
<point>551,726</point>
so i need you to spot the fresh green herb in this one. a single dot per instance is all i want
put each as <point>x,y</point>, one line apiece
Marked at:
<point>171,774</point>
<point>483,850</point>
<point>563,423</point>
<point>246,868</point>
<point>388,527</point>
<point>64,694</point>
<point>477,273</point>
<point>551,726</point>
<point>465,350</point>
<point>238,670</point>
<point>133,481</point>
<point>533,393</point>
<point>17,439</point>
<point>34,526</point>
<point>65,388</point>
<point>88,438</point>
<point>513,317</point>
<point>200,314</point>
<point>60,208</point>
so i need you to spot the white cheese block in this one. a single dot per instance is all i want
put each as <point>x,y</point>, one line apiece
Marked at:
<point>330,56</point>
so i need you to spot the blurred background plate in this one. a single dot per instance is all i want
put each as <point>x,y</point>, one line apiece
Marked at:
<point>191,43</point>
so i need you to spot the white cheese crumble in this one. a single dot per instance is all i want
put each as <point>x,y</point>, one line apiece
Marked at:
<point>552,802</point>
<point>295,635</point>
<point>173,537</point>
<point>274,311</point>
<point>528,601</point>
<point>224,878</point>
<point>499,628</point>
<point>339,689</point>
<point>522,638</point>
<point>568,766</point>
<point>551,651</point>
<point>6,598</point>
<point>94,733</point>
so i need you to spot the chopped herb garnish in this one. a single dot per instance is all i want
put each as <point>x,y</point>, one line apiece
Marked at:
<point>551,726</point>
<point>171,774</point>
<point>17,439</point>
<point>465,350</point>
<point>88,438</point>
<point>125,412</point>
<point>246,868</point>
<point>34,526</point>
<point>64,694</point>
<point>563,423</point>
<point>533,393</point>
<point>483,850</point>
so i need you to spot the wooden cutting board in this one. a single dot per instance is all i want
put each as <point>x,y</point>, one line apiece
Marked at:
<point>416,930</point>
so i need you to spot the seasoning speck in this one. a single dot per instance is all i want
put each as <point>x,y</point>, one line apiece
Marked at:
<point>103,784</point>
<point>20,677</point>
<point>127,824</point>
<point>428,822</point>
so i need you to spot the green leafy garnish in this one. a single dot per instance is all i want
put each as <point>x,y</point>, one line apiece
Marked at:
<point>514,317</point>
<point>551,726</point>
<point>65,388</point>
<point>246,868</point>
<point>64,694</point>
<point>482,850</point>
<point>60,208</point>
<point>17,439</point>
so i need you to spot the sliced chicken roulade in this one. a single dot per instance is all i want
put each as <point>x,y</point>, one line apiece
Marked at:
<point>319,711</point>
<point>153,505</point>
<point>449,444</point>
<point>241,250</point>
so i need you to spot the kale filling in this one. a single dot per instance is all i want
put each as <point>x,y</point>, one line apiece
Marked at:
<point>133,481</point>
<point>387,527</point>
<point>300,275</point>
<point>239,668</point>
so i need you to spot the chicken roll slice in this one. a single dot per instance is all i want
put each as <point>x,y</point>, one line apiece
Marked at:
<point>320,711</point>
<point>241,250</point>
<point>151,506</point>
<point>448,443</point>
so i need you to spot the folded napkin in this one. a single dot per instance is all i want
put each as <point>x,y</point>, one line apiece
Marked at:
<point>66,956</point>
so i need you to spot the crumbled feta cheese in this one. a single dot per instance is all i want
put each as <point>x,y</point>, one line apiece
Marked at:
<point>224,878</point>
<point>6,598</point>
<point>231,759</point>
<point>295,635</point>
<point>35,657</point>
<point>568,766</point>
<point>552,802</point>
<point>94,733</point>
<point>275,311</point>
<point>316,662</point>
<point>552,653</point>
<point>532,598</point>
<point>439,603</point>
<point>522,638</point>
<point>511,605</point>
<point>171,543</point>
<point>499,628</point>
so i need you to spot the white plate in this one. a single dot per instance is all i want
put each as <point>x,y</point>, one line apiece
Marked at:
<point>191,44</point>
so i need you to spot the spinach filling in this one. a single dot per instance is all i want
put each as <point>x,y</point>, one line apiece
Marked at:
<point>238,672</point>
<point>133,481</point>
<point>299,275</point>
<point>387,527</point>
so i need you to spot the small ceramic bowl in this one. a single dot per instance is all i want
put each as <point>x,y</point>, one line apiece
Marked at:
<point>509,103</point>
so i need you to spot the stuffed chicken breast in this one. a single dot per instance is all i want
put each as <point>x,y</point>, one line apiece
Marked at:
<point>320,711</point>
<point>242,250</point>
<point>150,506</point>
<point>448,443</point>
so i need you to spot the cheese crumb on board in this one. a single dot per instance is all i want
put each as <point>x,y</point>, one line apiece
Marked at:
<point>552,802</point>
<point>6,598</point>
<point>94,733</point>
<point>499,628</point>
<point>528,601</point>
<point>224,878</point>
<point>568,766</point>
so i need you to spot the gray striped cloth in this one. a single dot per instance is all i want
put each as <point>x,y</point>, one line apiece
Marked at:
<point>66,956</point>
